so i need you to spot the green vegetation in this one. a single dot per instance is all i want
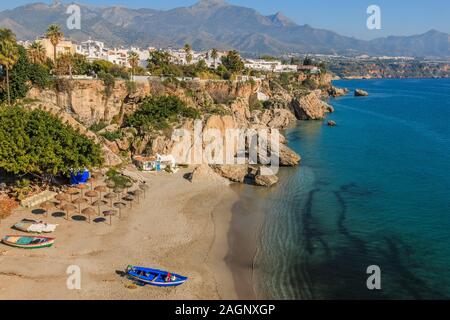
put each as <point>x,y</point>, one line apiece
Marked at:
<point>113,135</point>
<point>158,112</point>
<point>118,179</point>
<point>35,142</point>
<point>22,74</point>
<point>233,62</point>
<point>8,55</point>
<point>96,127</point>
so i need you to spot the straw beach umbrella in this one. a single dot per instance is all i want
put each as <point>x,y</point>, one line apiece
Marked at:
<point>88,212</point>
<point>110,196</point>
<point>110,213</point>
<point>68,208</point>
<point>79,201</point>
<point>71,192</point>
<point>47,206</point>
<point>138,193</point>
<point>128,185</point>
<point>118,191</point>
<point>82,187</point>
<point>101,189</point>
<point>91,194</point>
<point>91,182</point>
<point>110,184</point>
<point>130,199</point>
<point>144,187</point>
<point>100,203</point>
<point>61,198</point>
<point>120,206</point>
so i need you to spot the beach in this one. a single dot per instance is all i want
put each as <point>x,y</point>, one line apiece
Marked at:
<point>179,226</point>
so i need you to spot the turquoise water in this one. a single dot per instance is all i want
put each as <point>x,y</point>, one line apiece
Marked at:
<point>374,190</point>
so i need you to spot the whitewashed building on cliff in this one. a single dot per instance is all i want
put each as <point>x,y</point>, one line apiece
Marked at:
<point>269,65</point>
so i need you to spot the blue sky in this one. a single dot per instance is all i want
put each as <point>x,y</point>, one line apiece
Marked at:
<point>347,17</point>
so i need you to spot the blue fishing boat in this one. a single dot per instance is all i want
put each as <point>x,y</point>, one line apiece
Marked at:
<point>154,277</point>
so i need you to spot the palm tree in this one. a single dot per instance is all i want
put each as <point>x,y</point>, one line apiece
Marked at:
<point>55,35</point>
<point>214,55</point>
<point>133,59</point>
<point>187,48</point>
<point>9,54</point>
<point>36,53</point>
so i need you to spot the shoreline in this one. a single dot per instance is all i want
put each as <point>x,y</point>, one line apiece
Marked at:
<point>180,226</point>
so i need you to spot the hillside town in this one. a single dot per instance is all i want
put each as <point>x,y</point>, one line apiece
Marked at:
<point>95,50</point>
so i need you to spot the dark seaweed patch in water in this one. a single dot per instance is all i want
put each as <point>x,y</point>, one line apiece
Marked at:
<point>309,231</point>
<point>407,280</point>
<point>342,274</point>
<point>357,242</point>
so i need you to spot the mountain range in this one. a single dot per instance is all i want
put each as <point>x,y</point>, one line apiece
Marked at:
<point>213,23</point>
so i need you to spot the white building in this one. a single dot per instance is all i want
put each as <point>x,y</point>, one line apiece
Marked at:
<point>178,56</point>
<point>93,50</point>
<point>269,65</point>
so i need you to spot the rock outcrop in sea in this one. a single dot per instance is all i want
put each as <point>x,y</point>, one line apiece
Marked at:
<point>310,107</point>
<point>361,93</point>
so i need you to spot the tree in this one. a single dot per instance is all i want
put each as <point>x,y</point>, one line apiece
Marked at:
<point>36,142</point>
<point>158,113</point>
<point>133,59</point>
<point>159,63</point>
<point>9,54</point>
<point>64,64</point>
<point>233,62</point>
<point>214,55</point>
<point>36,53</point>
<point>307,61</point>
<point>188,50</point>
<point>55,35</point>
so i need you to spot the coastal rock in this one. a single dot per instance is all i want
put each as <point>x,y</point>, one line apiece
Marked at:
<point>111,159</point>
<point>234,173</point>
<point>361,93</point>
<point>266,177</point>
<point>123,144</point>
<point>310,107</point>
<point>276,118</point>
<point>288,157</point>
<point>205,173</point>
<point>337,92</point>
<point>331,123</point>
<point>112,145</point>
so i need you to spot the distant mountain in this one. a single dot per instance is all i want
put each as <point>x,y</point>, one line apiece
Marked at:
<point>212,23</point>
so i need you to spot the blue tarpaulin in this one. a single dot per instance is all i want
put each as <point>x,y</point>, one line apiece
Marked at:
<point>79,177</point>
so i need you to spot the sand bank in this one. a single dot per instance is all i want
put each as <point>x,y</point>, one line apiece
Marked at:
<point>180,226</point>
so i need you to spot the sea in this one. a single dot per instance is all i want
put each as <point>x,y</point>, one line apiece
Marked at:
<point>367,213</point>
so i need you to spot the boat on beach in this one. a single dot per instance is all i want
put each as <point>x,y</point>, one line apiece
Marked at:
<point>27,242</point>
<point>154,277</point>
<point>33,226</point>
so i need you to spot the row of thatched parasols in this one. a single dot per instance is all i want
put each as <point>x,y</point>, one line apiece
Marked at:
<point>74,204</point>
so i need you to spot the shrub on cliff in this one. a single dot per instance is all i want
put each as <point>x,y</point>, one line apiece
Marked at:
<point>35,142</point>
<point>158,112</point>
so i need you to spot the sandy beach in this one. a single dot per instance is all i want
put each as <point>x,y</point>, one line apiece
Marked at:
<point>180,226</point>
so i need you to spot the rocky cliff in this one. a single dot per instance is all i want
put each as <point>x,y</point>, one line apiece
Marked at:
<point>261,104</point>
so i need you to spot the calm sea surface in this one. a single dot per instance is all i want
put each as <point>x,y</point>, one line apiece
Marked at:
<point>374,190</point>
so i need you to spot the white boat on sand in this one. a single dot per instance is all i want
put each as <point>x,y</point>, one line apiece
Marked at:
<point>34,226</point>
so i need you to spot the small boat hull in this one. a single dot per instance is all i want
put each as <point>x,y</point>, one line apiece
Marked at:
<point>26,242</point>
<point>33,226</point>
<point>154,277</point>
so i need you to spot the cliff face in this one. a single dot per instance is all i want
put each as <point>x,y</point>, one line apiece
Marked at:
<point>86,99</point>
<point>222,104</point>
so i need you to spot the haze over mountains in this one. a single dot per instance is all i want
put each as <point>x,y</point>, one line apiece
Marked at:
<point>213,23</point>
